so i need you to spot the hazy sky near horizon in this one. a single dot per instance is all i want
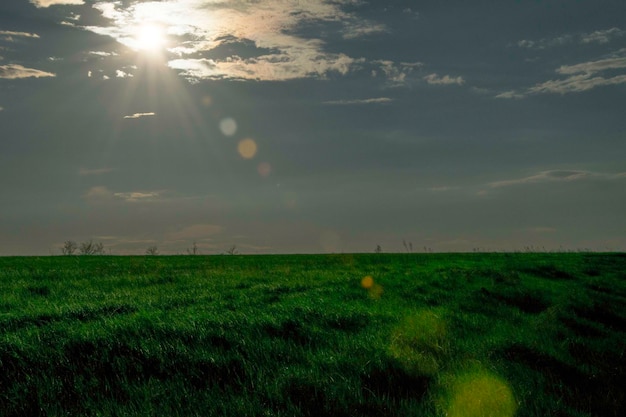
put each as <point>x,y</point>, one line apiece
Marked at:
<point>284,126</point>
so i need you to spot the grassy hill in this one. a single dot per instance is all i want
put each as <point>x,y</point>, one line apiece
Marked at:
<point>314,335</point>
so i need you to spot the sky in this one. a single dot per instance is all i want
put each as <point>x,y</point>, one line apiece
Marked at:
<point>293,126</point>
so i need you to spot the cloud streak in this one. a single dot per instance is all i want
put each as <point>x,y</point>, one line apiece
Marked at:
<point>593,67</point>
<point>598,36</point>
<point>377,100</point>
<point>583,77</point>
<point>9,35</point>
<point>138,196</point>
<point>580,77</point>
<point>139,115</point>
<point>558,176</point>
<point>14,71</point>
<point>102,194</point>
<point>435,79</point>
<point>48,3</point>
<point>602,36</point>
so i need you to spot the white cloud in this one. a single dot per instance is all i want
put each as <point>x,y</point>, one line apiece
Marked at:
<point>377,100</point>
<point>1,108</point>
<point>14,71</point>
<point>138,196</point>
<point>445,80</point>
<point>582,77</point>
<point>558,176</point>
<point>102,53</point>
<point>576,84</point>
<point>598,36</point>
<point>546,43</point>
<point>510,94</point>
<point>139,115</point>
<point>593,66</point>
<point>97,194</point>
<point>602,36</point>
<point>524,43</point>
<point>361,29</point>
<point>122,74</point>
<point>102,194</point>
<point>48,3</point>
<point>195,27</point>
<point>396,73</point>
<point>267,67</point>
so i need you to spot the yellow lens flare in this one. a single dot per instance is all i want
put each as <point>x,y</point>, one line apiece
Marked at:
<point>479,393</point>
<point>367,282</point>
<point>419,343</point>
<point>375,291</point>
<point>247,148</point>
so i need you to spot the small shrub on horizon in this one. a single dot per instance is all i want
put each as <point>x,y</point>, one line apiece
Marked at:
<point>91,248</point>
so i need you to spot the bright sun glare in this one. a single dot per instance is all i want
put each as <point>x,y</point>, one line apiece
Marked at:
<point>150,38</point>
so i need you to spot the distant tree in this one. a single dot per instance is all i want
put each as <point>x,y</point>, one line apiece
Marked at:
<point>194,249</point>
<point>91,248</point>
<point>152,250</point>
<point>69,247</point>
<point>408,246</point>
<point>233,250</point>
<point>378,249</point>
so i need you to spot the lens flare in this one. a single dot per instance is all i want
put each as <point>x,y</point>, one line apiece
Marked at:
<point>264,169</point>
<point>367,282</point>
<point>228,126</point>
<point>207,101</point>
<point>420,343</point>
<point>479,393</point>
<point>247,148</point>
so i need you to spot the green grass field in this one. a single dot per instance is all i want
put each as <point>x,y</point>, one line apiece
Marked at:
<point>314,335</point>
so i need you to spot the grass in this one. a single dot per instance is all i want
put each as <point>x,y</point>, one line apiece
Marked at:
<point>314,335</point>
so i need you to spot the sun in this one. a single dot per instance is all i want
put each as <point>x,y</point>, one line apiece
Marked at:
<point>149,38</point>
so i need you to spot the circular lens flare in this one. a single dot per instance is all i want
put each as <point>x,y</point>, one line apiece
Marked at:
<point>264,169</point>
<point>247,148</point>
<point>228,126</point>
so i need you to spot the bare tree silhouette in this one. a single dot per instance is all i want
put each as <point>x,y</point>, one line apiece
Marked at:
<point>69,247</point>
<point>91,248</point>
